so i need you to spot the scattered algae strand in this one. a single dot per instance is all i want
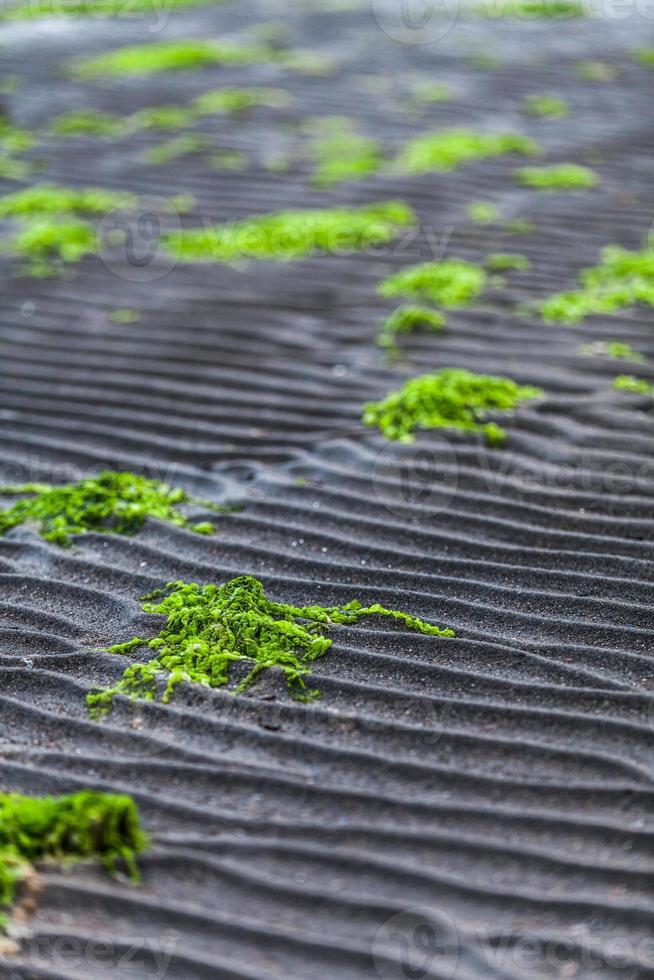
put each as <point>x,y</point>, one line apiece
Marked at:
<point>340,153</point>
<point>544,104</point>
<point>290,235</point>
<point>149,59</point>
<point>448,149</point>
<point>408,319</point>
<point>560,177</point>
<point>451,283</point>
<point>622,279</point>
<point>84,826</point>
<point>210,627</point>
<point>450,399</point>
<point>638,386</point>
<point>613,348</point>
<point>507,261</point>
<point>118,503</point>
<point>42,200</point>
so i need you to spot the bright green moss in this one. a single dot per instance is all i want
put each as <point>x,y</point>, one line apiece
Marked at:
<point>638,386</point>
<point>483,212</point>
<point>36,9</point>
<point>340,153</point>
<point>11,169</point>
<point>124,315</point>
<point>86,826</point>
<point>117,503</point>
<point>613,348</point>
<point>88,123</point>
<point>538,9</point>
<point>451,399</point>
<point>44,242</point>
<point>409,319</point>
<point>451,283</point>
<point>239,100</point>
<point>150,59</point>
<point>621,280</point>
<point>210,629</point>
<point>645,56</point>
<point>506,261</point>
<point>483,61</point>
<point>560,177</point>
<point>596,71</point>
<point>13,139</point>
<point>545,105</point>
<point>291,234</point>
<point>180,146</point>
<point>451,148</point>
<point>427,92</point>
<point>42,200</point>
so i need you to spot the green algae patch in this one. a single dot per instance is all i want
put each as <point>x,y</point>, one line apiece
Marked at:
<point>117,503</point>
<point>47,241</point>
<point>180,146</point>
<point>622,279</point>
<point>507,262</point>
<point>545,105</point>
<point>451,283</point>
<point>596,71</point>
<point>449,149</point>
<point>483,212</point>
<point>560,177</point>
<point>340,153</point>
<point>211,628</point>
<point>409,319</point>
<point>616,349</point>
<point>287,235</point>
<point>428,92</point>
<point>52,199</point>
<point>85,826</point>
<point>38,9</point>
<point>150,59</point>
<point>637,386</point>
<point>450,399</point>
<point>536,9</point>
<point>645,56</point>
<point>124,315</point>
<point>87,123</point>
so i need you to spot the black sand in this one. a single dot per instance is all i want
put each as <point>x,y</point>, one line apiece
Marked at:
<point>502,781</point>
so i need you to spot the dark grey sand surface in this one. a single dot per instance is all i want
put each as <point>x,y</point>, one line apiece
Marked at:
<point>469,808</point>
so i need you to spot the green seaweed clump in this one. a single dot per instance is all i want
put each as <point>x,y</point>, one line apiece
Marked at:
<point>110,502</point>
<point>87,123</point>
<point>451,283</point>
<point>150,59</point>
<point>340,153</point>
<point>450,399</point>
<point>52,199</point>
<point>180,146</point>
<point>507,261</point>
<point>408,319</point>
<point>451,148</point>
<point>613,348</point>
<point>483,212</point>
<point>560,177</point>
<point>538,9</point>
<point>622,279</point>
<point>288,235</point>
<point>638,386</point>
<point>209,628</point>
<point>645,56</point>
<point>545,105</point>
<point>84,826</point>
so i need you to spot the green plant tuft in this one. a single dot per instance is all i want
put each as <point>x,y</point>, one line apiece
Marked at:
<point>52,199</point>
<point>81,827</point>
<point>545,105</point>
<point>483,212</point>
<point>180,146</point>
<point>118,503</point>
<point>638,386</point>
<point>451,399</point>
<point>87,123</point>
<point>451,283</point>
<point>621,280</point>
<point>560,177</point>
<point>645,56</point>
<point>150,59</point>
<point>124,315</point>
<point>451,148</point>
<point>340,153</point>
<point>290,235</point>
<point>209,628</point>
<point>408,319</point>
<point>538,9</point>
<point>506,261</point>
<point>613,348</point>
